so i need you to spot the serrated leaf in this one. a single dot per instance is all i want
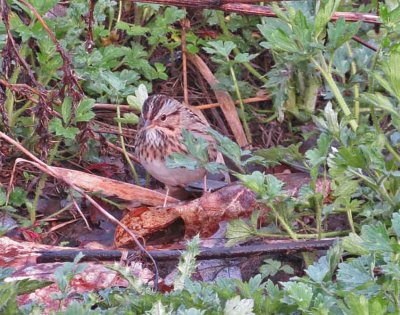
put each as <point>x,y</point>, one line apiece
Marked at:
<point>244,57</point>
<point>255,182</point>
<point>340,32</point>
<point>187,263</point>
<point>227,147</point>
<point>274,186</point>
<point>18,197</point>
<point>66,110</point>
<point>177,160</point>
<point>376,237</point>
<point>128,118</point>
<point>26,286</point>
<point>299,294</point>
<point>136,101</point>
<point>196,146</point>
<point>270,267</point>
<point>220,47</point>
<point>238,231</point>
<point>58,129</point>
<point>84,112</point>
<point>355,273</point>
<point>396,223</point>
<point>238,306</point>
<point>215,168</point>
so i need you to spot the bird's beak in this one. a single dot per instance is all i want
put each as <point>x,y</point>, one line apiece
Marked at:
<point>146,123</point>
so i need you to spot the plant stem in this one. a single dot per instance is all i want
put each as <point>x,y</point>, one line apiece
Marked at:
<point>318,216</point>
<point>305,236</point>
<point>42,182</point>
<point>121,137</point>
<point>242,112</point>
<point>307,259</point>
<point>335,90</point>
<point>350,219</point>
<point>356,86</point>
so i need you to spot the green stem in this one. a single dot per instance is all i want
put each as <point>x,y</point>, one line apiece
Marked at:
<point>318,216</point>
<point>350,219</point>
<point>356,86</point>
<point>134,173</point>
<point>305,236</point>
<point>307,258</point>
<point>242,111</point>
<point>282,221</point>
<point>42,182</point>
<point>10,100</point>
<point>335,90</point>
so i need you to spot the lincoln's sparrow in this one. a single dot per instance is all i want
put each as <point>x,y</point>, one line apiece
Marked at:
<point>160,134</point>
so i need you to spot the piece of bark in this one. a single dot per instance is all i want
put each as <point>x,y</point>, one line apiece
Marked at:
<point>201,216</point>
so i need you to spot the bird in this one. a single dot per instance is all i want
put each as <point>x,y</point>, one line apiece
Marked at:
<point>160,134</point>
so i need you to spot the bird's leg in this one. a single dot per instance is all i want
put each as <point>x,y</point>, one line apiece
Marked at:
<point>205,184</point>
<point>166,196</point>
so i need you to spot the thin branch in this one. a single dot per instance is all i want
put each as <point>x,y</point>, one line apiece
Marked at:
<point>205,253</point>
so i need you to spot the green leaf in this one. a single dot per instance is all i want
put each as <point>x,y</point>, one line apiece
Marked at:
<point>66,110</point>
<point>128,118</point>
<point>244,57</point>
<point>380,101</point>
<point>187,263</point>
<point>255,182</point>
<point>84,112</point>
<point>18,197</point>
<point>26,286</point>
<point>215,168</point>
<point>57,127</point>
<point>136,101</point>
<point>280,41</point>
<point>355,273</point>
<point>238,231</point>
<point>376,237</point>
<point>8,298</point>
<point>274,186</point>
<point>326,9</point>
<point>238,306</point>
<point>297,293</point>
<point>340,32</point>
<point>220,47</point>
<point>177,160</point>
<point>396,223</point>
<point>3,196</point>
<point>227,147</point>
<point>197,146</point>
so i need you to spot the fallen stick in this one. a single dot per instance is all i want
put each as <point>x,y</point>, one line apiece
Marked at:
<point>205,254</point>
<point>243,8</point>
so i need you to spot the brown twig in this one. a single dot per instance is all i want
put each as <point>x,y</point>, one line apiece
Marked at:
<point>245,101</point>
<point>205,254</point>
<point>364,43</point>
<point>243,8</point>
<point>89,38</point>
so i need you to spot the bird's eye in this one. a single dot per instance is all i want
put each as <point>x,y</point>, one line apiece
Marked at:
<point>163,117</point>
